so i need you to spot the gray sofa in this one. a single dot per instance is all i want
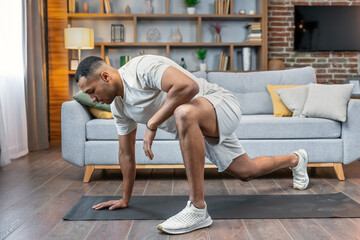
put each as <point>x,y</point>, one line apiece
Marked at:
<point>94,142</point>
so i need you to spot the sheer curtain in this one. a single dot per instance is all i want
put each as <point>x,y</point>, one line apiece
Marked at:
<point>12,91</point>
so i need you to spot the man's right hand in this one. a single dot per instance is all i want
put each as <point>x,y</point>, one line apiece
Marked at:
<point>112,205</point>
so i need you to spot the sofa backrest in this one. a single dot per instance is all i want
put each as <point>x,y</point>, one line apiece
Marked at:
<point>250,88</point>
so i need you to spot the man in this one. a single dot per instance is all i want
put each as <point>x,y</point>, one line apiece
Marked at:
<point>156,91</point>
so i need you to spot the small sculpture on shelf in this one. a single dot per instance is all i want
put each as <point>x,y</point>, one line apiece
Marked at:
<point>177,38</point>
<point>202,55</point>
<point>191,5</point>
<point>217,27</point>
<point>182,63</point>
<point>149,8</point>
<point>153,35</point>
<point>242,11</point>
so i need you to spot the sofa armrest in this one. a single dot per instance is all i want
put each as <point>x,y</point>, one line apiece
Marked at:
<point>350,132</point>
<point>74,117</point>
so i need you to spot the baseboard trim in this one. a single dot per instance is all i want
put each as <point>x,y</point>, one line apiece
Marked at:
<point>89,170</point>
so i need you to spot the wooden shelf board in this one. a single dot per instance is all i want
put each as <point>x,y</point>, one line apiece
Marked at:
<point>230,17</point>
<point>164,44</point>
<point>205,17</point>
<point>192,70</point>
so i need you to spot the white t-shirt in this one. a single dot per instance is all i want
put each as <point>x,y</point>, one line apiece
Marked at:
<point>143,95</point>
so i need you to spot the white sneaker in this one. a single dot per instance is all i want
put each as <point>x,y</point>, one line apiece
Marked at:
<point>300,175</point>
<point>189,219</point>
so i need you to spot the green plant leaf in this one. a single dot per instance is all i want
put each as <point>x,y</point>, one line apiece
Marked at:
<point>191,3</point>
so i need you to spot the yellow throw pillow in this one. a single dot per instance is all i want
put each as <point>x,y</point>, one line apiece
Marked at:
<point>280,110</point>
<point>98,113</point>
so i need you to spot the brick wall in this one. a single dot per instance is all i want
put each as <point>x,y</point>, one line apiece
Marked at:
<point>331,67</point>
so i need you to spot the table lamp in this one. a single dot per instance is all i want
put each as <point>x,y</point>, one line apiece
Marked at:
<point>79,38</point>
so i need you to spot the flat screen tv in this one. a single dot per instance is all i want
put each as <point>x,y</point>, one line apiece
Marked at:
<point>327,28</point>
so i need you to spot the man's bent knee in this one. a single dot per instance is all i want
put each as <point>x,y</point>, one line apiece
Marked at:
<point>242,171</point>
<point>245,177</point>
<point>184,114</point>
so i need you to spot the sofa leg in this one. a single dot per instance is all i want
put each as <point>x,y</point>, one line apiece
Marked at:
<point>312,171</point>
<point>338,167</point>
<point>88,172</point>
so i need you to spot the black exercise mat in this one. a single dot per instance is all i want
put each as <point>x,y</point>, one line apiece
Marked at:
<point>222,207</point>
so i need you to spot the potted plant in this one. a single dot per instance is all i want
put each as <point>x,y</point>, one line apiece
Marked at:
<point>217,27</point>
<point>191,5</point>
<point>202,55</point>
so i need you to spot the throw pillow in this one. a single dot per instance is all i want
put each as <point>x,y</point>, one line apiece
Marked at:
<point>294,98</point>
<point>327,101</point>
<point>280,110</point>
<point>98,113</point>
<point>85,99</point>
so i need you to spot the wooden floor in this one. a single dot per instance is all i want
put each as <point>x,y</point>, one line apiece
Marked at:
<point>37,190</point>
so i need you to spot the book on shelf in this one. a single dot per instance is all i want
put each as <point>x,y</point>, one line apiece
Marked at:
<point>222,7</point>
<point>254,29</point>
<point>107,60</point>
<point>223,62</point>
<point>124,60</point>
<point>107,6</point>
<point>71,6</point>
<point>220,61</point>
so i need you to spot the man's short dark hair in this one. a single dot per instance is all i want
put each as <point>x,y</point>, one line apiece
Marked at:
<point>87,67</point>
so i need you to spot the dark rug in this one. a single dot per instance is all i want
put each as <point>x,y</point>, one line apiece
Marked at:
<point>335,205</point>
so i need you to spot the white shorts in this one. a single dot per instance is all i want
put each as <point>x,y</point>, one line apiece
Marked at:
<point>223,150</point>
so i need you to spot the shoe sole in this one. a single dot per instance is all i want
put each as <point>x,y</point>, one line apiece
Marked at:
<point>206,223</point>
<point>307,176</point>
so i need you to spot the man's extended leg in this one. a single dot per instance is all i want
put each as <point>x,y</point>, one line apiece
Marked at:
<point>245,168</point>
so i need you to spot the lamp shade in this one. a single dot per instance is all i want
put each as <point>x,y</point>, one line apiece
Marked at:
<point>79,38</point>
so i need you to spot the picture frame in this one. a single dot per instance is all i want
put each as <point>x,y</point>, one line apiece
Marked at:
<point>74,63</point>
<point>356,82</point>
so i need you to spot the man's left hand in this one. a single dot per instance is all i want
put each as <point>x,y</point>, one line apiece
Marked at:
<point>147,143</point>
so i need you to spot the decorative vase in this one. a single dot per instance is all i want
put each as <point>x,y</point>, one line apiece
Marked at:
<point>276,64</point>
<point>127,9</point>
<point>218,37</point>
<point>177,38</point>
<point>182,63</point>
<point>246,56</point>
<point>202,66</point>
<point>149,8</point>
<point>191,10</point>
<point>153,35</point>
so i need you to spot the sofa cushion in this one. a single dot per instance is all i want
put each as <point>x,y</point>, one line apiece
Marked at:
<point>250,88</point>
<point>270,127</point>
<point>279,108</point>
<point>98,113</point>
<point>85,99</point>
<point>327,101</point>
<point>294,98</point>
<point>104,129</point>
<point>251,127</point>
<point>200,74</point>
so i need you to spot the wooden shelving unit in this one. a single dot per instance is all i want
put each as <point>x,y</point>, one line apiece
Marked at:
<point>172,13</point>
<point>198,20</point>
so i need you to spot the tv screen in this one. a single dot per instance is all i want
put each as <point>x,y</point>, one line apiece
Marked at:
<point>327,28</point>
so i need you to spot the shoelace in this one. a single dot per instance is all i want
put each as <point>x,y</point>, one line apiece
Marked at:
<point>186,218</point>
